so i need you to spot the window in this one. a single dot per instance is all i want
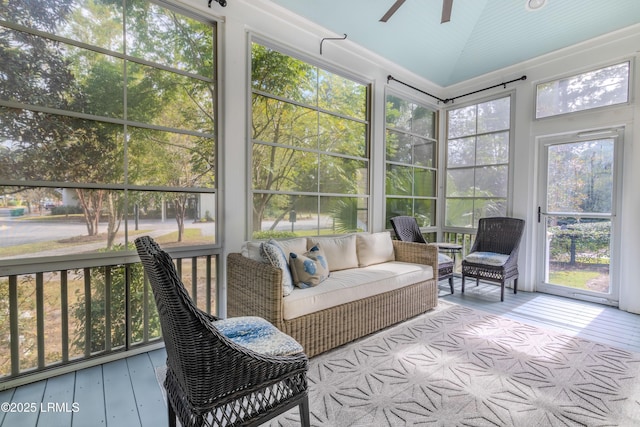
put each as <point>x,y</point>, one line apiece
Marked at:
<point>410,179</point>
<point>310,160</point>
<point>478,142</point>
<point>599,88</point>
<point>105,133</point>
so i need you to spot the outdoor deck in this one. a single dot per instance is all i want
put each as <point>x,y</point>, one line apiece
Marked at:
<point>126,393</point>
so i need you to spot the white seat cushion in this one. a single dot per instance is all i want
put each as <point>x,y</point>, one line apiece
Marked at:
<point>444,259</point>
<point>487,258</point>
<point>353,284</point>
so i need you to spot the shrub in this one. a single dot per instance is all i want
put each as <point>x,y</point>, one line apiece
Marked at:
<point>273,234</point>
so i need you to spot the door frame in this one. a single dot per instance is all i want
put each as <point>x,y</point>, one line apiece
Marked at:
<point>612,298</point>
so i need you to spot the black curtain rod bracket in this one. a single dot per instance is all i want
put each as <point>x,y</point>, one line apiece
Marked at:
<point>331,38</point>
<point>446,101</point>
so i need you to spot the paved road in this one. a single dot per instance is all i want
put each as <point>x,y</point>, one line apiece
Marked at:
<point>16,231</point>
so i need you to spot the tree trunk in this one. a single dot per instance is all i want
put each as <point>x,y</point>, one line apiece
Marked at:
<point>91,203</point>
<point>115,219</point>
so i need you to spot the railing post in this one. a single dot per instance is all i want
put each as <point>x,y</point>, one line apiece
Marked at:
<point>64,313</point>
<point>127,306</point>
<point>107,307</point>
<point>13,325</point>
<point>40,318</point>
<point>87,312</point>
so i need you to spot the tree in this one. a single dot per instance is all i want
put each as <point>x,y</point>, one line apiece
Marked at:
<point>306,143</point>
<point>44,73</point>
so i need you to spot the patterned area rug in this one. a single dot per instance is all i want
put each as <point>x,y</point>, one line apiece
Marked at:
<point>456,366</point>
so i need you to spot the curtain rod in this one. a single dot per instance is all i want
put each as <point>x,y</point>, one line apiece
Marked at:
<point>445,101</point>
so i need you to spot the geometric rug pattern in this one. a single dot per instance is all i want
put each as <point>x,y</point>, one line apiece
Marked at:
<point>457,366</point>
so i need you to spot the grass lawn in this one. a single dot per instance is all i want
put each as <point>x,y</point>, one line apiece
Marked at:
<point>573,278</point>
<point>191,236</point>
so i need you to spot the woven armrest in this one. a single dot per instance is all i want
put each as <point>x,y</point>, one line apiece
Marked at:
<point>418,253</point>
<point>254,289</point>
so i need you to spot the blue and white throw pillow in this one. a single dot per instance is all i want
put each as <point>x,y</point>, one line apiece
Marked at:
<point>273,254</point>
<point>309,269</point>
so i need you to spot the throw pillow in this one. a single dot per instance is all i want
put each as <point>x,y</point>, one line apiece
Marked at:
<point>374,248</point>
<point>340,251</point>
<point>274,255</point>
<point>309,269</point>
<point>252,250</point>
<point>297,245</point>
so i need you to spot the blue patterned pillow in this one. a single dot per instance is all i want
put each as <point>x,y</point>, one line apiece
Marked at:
<point>309,269</point>
<point>274,255</point>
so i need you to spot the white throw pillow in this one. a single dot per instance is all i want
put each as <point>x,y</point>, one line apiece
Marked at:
<point>374,248</point>
<point>340,251</point>
<point>297,245</point>
<point>252,251</point>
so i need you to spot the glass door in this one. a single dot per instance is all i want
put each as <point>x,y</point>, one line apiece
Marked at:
<point>577,217</point>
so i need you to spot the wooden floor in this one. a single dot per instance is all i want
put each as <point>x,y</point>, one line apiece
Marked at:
<point>126,393</point>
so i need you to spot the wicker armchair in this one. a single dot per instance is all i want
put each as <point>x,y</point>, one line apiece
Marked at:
<point>214,378</point>
<point>407,230</point>
<point>494,254</point>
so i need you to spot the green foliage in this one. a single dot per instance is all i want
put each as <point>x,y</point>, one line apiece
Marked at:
<point>66,210</point>
<point>345,215</point>
<point>117,277</point>
<point>586,242</point>
<point>324,118</point>
<point>272,234</point>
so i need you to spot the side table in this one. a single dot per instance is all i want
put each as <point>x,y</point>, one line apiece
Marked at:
<point>450,248</point>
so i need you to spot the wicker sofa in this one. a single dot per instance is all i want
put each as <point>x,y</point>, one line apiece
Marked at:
<point>350,303</point>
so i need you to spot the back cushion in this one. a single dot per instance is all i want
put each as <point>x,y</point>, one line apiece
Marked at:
<point>296,245</point>
<point>374,248</point>
<point>340,251</point>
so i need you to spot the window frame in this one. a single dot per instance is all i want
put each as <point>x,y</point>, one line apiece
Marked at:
<point>435,168</point>
<point>93,259</point>
<point>510,172</point>
<point>580,72</point>
<point>316,150</point>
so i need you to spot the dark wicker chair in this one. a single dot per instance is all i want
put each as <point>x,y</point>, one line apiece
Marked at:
<point>494,254</point>
<point>407,230</point>
<point>212,380</point>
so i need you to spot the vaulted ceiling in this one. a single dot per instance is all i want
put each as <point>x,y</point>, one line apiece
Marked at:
<point>482,35</point>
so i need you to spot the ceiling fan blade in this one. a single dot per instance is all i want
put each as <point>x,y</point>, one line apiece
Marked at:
<point>392,10</point>
<point>447,5</point>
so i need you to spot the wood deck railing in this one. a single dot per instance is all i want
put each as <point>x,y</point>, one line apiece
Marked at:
<point>53,320</point>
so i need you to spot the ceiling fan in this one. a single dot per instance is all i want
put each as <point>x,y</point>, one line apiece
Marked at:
<point>446,10</point>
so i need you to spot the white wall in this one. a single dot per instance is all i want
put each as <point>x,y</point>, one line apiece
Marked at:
<point>243,17</point>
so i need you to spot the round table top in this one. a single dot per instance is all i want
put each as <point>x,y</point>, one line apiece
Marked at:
<point>450,246</point>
